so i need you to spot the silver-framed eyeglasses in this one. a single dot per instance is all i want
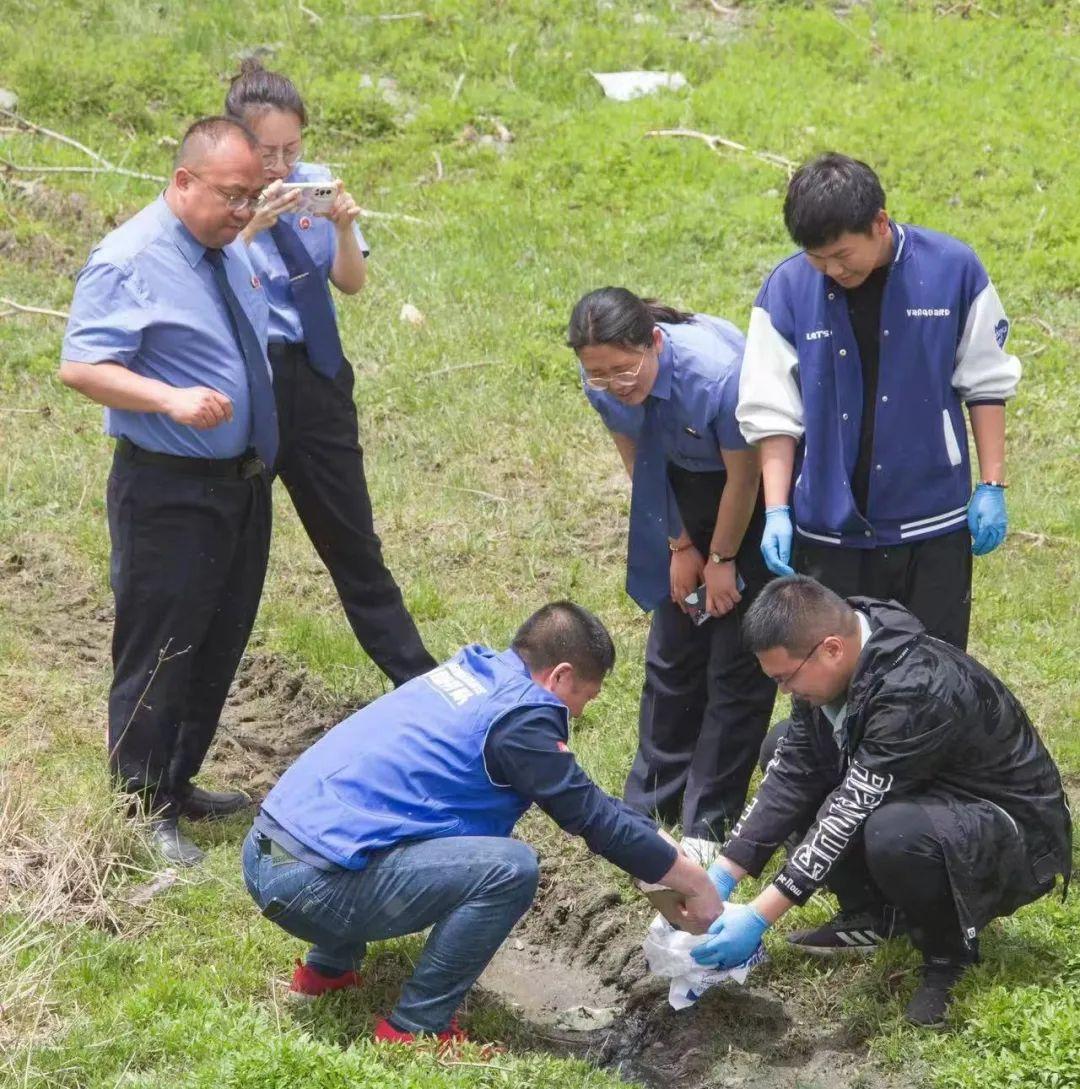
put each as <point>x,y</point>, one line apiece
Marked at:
<point>235,202</point>
<point>290,155</point>
<point>620,379</point>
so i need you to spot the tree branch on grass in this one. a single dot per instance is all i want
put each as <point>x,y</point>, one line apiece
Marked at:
<point>19,308</point>
<point>104,166</point>
<point>718,142</point>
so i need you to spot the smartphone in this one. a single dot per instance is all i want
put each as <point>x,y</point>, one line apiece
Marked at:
<point>695,601</point>
<point>315,197</point>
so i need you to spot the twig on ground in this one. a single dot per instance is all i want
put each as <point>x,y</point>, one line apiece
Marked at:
<point>474,491</point>
<point>720,9</point>
<point>439,173</point>
<point>104,166</point>
<point>22,309</point>
<point>30,168</point>
<point>455,367</point>
<point>1045,326</point>
<point>391,17</point>
<point>458,84</point>
<point>368,213</point>
<point>313,17</point>
<point>1038,539</point>
<point>717,142</point>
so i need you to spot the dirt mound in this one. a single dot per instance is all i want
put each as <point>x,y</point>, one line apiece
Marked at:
<point>274,712</point>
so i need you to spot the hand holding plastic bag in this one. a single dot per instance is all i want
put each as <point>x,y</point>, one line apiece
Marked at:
<point>667,951</point>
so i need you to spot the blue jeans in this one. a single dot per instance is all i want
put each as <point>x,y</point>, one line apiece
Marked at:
<point>469,889</point>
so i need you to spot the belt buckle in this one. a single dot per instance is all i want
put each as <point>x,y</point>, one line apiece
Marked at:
<point>252,467</point>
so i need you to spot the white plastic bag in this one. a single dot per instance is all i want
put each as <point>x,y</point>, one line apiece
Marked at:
<point>668,952</point>
<point>623,86</point>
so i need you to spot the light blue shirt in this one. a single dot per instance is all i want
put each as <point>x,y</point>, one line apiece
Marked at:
<point>319,237</point>
<point>147,299</point>
<point>696,394</point>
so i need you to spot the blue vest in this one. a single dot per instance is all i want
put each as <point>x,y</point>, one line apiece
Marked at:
<point>410,765</point>
<point>920,477</point>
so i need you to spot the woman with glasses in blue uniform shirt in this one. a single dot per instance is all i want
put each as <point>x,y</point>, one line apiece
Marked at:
<point>297,255</point>
<point>666,385</point>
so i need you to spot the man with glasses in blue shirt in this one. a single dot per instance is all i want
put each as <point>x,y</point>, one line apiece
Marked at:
<point>168,332</point>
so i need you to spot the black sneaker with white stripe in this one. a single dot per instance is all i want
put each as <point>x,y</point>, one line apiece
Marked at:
<point>847,932</point>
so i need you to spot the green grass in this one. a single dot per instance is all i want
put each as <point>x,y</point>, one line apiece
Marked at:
<point>968,121</point>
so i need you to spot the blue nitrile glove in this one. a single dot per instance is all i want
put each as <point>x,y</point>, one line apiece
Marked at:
<point>737,933</point>
<point>724,880</point>
<point>776,540</point>
<point>987,520</point>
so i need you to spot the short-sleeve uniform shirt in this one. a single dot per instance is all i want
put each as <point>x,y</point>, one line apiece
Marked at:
<point>320,240</point>
<point>147,299</point>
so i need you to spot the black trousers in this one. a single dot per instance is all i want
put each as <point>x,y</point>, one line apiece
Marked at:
<point>188,559</point>
<point>896,862</point>
<point>932,578</point>
<point>705,704</point>
<point>321,464</point>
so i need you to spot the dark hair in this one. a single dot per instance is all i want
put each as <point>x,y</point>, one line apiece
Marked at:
<point>207,133</point>
<point>564,632</point>
<point>830,196</point>
<point>613,315</point>
<point>795,613</point>
<point>256,88</point>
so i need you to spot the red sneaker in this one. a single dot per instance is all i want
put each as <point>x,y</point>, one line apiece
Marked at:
<point>385,1033</point>
<point>309,982</point>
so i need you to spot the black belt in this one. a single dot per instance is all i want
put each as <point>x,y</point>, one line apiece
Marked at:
<point>244,467</point>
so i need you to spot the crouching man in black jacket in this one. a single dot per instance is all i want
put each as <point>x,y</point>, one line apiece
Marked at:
<point>909,771</point>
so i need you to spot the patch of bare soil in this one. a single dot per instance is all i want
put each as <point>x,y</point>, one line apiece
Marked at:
<point>580,945</point>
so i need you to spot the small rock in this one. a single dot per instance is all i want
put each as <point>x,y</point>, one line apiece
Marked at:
<point>519,945</point>
<point>413,316</point>
<point>9,100</point>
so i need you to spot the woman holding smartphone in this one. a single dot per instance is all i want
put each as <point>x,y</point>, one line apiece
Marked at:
<point>297,253</point>
<point>666,384</point>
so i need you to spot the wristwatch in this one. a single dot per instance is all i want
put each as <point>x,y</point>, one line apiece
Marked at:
<point>715,557</point>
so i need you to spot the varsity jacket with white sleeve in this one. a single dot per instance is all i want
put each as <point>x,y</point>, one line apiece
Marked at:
<point>943,333</point>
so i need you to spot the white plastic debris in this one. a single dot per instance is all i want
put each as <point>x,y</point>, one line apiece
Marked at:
<point>410,314</point>
<point>587,1018</point>
<point>668,952</point>
<point>623,86</point>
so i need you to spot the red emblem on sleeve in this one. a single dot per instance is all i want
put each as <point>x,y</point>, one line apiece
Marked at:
<point>304,223</point>
<point>255,282</point>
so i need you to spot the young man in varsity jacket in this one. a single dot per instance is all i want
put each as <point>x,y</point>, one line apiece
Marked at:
<point>909,772</point>
<point>862,352</point>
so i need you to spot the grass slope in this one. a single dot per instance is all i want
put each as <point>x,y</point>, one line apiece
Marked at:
<point>494,486</point>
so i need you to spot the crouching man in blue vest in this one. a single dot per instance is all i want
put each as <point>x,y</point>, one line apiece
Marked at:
<point>400,819</point>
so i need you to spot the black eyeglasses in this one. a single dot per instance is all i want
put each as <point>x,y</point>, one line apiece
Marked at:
<point>783,682</point>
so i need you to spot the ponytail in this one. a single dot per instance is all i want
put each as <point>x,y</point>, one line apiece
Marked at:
<point>614,315</point>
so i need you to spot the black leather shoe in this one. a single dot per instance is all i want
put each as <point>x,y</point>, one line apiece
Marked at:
<point>209,805</point>
<point>167,839</point>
